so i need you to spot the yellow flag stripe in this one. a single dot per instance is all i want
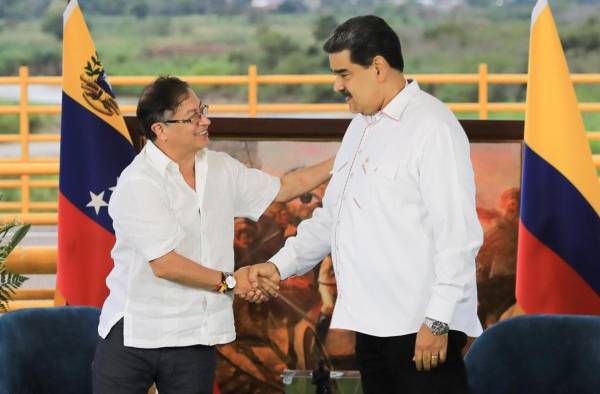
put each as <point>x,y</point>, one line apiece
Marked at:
<point>554,127</point>
<point>78,49</point>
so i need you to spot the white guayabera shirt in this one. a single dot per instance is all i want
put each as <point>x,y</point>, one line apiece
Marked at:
<point>154,212</point>
<point>400,222</point>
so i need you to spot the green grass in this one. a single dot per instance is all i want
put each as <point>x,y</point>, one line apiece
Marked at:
<point>44,194</point>
<point>36,194</point>
<point>38,124</point>
<point>9,124</point>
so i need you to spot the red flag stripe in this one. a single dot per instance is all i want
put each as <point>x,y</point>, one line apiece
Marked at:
<point>84,258</point>
<point>547,284</point>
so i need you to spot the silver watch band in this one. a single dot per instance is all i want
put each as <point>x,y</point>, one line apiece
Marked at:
<point>436,327</point>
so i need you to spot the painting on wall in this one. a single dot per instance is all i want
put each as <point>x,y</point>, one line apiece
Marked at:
<point>292,331</point>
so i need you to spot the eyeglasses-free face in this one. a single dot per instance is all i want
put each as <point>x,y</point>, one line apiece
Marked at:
<point>195,118</point>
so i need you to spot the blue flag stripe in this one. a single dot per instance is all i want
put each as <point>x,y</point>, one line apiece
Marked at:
<point>92,156</point>
<point>556,213</point>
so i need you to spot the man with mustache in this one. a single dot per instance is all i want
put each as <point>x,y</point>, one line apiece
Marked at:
<point>399,220</point>
<point>173,209</point>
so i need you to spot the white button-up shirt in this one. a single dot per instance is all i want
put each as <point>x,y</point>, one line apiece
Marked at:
<point>399,220</point>
<point>154,212</point>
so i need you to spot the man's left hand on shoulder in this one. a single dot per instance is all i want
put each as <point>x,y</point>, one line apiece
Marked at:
<point>431,345</point>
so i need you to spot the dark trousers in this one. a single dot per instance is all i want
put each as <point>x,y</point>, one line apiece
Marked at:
<point>386,366</point>
<point>118,369</point>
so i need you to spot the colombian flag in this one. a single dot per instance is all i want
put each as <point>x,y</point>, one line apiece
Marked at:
<point>558,262</point>
<point>95,147</point>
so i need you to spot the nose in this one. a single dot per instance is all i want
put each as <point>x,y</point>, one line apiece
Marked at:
<point>205,120</point>
<point>338,85</point>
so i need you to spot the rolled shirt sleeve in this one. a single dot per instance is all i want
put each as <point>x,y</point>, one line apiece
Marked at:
<point>142,216</point>
<point>447,186</point>
<point>254,190</point>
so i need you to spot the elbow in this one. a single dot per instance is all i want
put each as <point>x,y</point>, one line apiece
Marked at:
<point>284,194</point>
<point>281,197</point>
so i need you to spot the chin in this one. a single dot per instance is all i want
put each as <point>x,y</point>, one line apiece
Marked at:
<point>203,143</point>
<point>353,109</point>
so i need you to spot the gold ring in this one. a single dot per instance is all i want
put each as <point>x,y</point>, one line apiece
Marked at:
<point>434,356</point>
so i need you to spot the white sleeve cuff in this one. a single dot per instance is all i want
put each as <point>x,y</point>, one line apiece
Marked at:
<point>440,309</point>
<point>284,261</point>
<point>158,250</point>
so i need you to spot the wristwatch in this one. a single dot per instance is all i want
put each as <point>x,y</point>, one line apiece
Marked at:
<point>437,327</point>
<point>227,282</point>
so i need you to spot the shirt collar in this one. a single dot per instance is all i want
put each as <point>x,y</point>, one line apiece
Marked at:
<point>157,158</point>
<point>162,162</point>
<point>396,107</point>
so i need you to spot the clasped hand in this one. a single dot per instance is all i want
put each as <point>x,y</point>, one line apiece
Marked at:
<point>257,283</point>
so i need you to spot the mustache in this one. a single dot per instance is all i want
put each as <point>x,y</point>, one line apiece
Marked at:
<point>346,93</point>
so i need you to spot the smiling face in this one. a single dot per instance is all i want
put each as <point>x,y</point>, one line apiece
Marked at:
<point>357,83</point>
<point>184,137</point>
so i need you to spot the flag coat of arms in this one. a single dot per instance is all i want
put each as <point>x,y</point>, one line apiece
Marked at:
<point>95,147</point>
<point>558,259</point>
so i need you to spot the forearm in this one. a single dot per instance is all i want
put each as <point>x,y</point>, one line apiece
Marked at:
<point>304,180</point>
<point>179,269</point>
<point>311,244</point>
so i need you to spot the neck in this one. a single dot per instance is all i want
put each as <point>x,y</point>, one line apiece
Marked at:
<point>185,160</point>
<point>186,165</point>
<point>396,84</point>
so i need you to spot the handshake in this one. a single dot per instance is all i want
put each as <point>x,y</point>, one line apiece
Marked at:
<point>257,283</point>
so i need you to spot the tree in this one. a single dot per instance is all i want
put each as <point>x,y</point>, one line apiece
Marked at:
<point>275,46</point>
<point>292,7</point>
<point>53,21</point>
<point>140,10</point>
<point>323,28</point>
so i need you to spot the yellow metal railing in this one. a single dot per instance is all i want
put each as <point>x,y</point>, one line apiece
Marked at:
<point>24,167</point>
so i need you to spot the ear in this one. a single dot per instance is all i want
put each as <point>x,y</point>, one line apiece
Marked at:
<point>382,67</point>
<point>159,130</point>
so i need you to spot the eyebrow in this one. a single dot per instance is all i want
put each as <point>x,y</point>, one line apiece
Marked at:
<point>339,71</point>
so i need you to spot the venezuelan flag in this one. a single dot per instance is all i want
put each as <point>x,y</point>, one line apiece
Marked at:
<point>95,147</point>
<point>558,261</point>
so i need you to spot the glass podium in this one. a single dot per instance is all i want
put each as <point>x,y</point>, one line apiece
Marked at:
<point>342,382</point>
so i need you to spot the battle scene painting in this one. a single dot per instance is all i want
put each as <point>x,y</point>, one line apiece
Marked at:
<point>292,331</point>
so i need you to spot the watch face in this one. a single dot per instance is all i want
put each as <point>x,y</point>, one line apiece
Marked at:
<point>230,282</point>
<point>437,327</point>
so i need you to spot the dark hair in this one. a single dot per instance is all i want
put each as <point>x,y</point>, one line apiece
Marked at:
<point>164,94</point>
<point>366,37</point>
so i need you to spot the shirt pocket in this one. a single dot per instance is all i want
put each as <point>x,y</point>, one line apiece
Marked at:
<point>384,172</point>
<point>364,181</point>
<point>385,186</point>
